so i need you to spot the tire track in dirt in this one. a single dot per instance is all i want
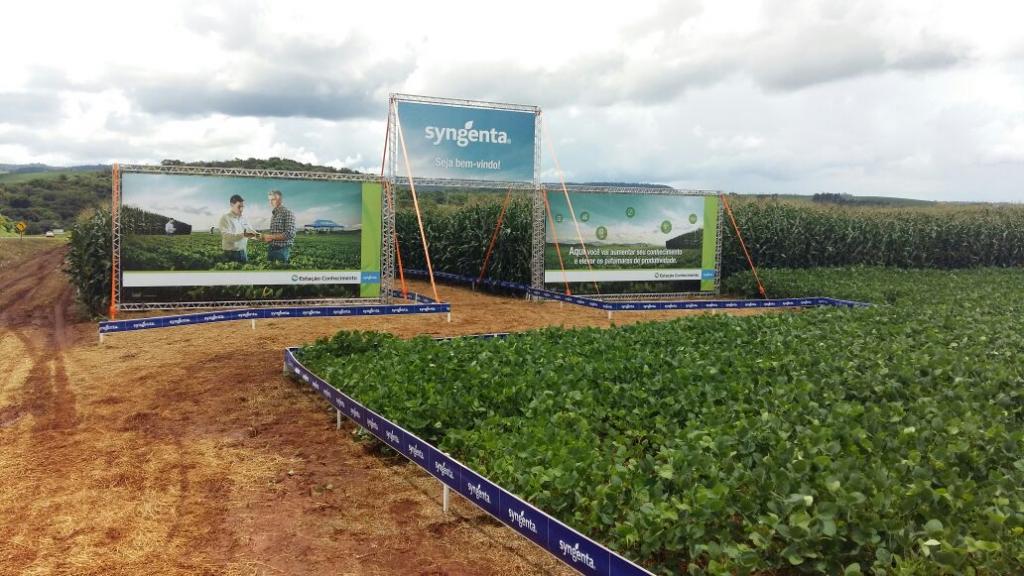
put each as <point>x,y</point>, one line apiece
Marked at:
<point>63,414</point>
<point>16,289</point>
<point>14,299</point>
<point>30,270</point>
<point>39,322</point>
<point>34,296</point>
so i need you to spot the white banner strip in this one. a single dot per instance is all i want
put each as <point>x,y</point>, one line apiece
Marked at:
<point>240,278</point>
<point>557,276</point>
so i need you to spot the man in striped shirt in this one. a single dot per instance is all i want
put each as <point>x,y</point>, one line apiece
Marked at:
<point>282,230</point>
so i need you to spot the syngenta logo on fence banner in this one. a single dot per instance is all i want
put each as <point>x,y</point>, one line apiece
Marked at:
<point>468,142</point>
<point>576,554</point>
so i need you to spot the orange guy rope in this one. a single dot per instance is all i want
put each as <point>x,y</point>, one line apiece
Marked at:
<point>494,237</point>
<point>384,157</point>
<point>558,250</point>
<point>561,178</point>
<point>416,205</point>
<point>750,261</point>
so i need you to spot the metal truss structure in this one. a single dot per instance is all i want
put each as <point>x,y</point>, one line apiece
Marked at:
<point>638,190</point>
<point>540,231</point>
<point>387,230</point>
<point>246,172</point>
<point>394,175</point>
<point>429,184</point>
<point>115,240</point>
<point>387,242</point>
<point>464,103</point>
<point>391,181</point>
<point>537,190</point>
<point>537,238</point>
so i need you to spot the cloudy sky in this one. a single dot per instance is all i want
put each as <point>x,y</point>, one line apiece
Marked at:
<point>916,99</point>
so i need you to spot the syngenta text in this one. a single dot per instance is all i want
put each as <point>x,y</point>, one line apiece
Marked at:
<point>522,520</point>
<point>463,136</point>
<point>576,554</point>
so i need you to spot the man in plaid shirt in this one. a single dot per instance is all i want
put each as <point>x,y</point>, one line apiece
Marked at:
<point>282,230</point>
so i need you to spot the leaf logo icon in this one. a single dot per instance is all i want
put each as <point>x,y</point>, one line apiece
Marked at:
<point>469,125</point>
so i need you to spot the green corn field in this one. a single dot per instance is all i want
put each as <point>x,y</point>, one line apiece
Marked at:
<point>458,240</point>
<point>778,233</point>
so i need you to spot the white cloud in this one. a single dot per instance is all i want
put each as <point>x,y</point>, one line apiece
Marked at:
<point>922,99</point>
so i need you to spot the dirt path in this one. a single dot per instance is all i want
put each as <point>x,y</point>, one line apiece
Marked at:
<point>33,305</point>
<point>184,451</point>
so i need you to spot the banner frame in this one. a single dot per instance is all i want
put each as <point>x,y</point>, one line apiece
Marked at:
<point>540,225</point>
<point>393,151</point>
<point>117,288</point>
<point>396,180</point>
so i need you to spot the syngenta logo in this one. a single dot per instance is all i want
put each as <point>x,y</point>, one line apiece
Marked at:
<point>576,554</point>
<point>414,449</point>
<point>478,492</point>
<point>463,136</point>
<point>522,520</point>
<point>444,470</point>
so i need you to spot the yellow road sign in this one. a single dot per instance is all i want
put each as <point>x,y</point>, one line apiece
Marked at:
<point>20,226</point>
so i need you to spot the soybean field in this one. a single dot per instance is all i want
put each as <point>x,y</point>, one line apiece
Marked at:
<point>886,440</point>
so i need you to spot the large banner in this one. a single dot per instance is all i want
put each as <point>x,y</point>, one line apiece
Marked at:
<point>468,142</point>
<point>189,237</point>
<point>658,242</point>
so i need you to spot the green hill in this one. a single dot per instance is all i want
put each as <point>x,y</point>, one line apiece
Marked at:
<point>51,199</point>
<point>47,197</point>
<point>22,177</point>
<point>272,163</point>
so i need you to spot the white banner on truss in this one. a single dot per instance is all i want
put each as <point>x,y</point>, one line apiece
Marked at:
<point>556,276</point>
<point>241,278</point>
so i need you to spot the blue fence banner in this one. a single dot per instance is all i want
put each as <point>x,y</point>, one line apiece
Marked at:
<point>422,305</point>
<point>572,548</point>
<point>619,566</point>
<point>647,305</point>
<point>420,298</point>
